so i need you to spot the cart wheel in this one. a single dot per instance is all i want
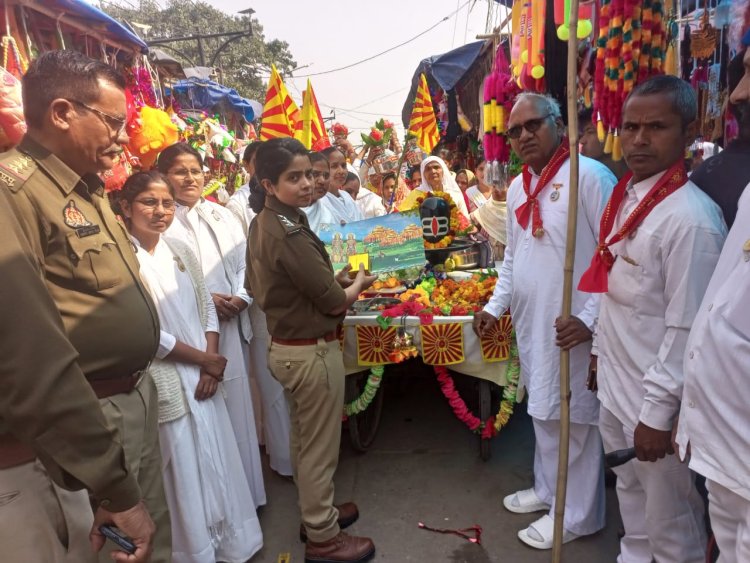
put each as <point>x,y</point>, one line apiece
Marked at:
<point>363,426</point>
<point>485,405</point>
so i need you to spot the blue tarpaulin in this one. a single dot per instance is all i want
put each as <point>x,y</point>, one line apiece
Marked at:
<point>446,70</point>
<point>197,93</point>
<point>82,10</point>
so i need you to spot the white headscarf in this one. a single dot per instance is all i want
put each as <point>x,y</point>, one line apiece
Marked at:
<point>449,184</point>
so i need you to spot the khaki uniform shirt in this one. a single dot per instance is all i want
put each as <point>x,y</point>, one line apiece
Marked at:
<point>290,274</point>
<point>45,400</point>
<point>88,261</point>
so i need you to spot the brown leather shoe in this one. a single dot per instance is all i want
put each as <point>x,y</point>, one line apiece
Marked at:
<point>342,548</point>
<point>348,515</point>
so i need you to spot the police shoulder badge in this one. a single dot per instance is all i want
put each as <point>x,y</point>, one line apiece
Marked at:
<point>73,217</point>
<point>289,225</point>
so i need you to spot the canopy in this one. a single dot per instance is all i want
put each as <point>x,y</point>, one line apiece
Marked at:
<point>446,70</point>
<point>199,93</point>
<point>93,17</point>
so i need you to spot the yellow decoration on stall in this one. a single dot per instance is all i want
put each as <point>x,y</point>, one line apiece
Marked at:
<point>374,345</point>
<point>616,149</point>
<point>608,143</point>
<point>496,342</point>
<point>442,344</point>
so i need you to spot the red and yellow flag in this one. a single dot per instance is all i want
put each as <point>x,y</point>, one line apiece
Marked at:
<point>280,113</point>
<point>442,344</point>
<point>310,129</point>
<point>423,124</point>
<point>496,341</point>
<point>374,345</point>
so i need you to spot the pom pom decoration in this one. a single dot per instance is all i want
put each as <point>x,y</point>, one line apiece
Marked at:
<point>150,133</point>
<point>562,19</point>
<point>500,90</point>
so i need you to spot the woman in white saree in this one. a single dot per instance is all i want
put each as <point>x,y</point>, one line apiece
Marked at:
<point>211,505</point>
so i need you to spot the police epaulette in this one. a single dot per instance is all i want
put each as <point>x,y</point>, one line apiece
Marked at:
<point>288,225</point>
<point>16,171</point>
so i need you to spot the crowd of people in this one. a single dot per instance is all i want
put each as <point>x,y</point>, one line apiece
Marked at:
<point>184,338</point>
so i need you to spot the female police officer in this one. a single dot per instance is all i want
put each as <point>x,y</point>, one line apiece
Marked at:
<point>290,275</point>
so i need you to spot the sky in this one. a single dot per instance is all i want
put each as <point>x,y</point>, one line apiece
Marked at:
<point>328,34</point>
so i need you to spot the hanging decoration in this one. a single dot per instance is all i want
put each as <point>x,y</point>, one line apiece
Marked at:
<point>442,344</point>
<point>528,45</point>
<point>372,385</point>
<point>374,345</point>
<point>12,124</point>
<point>495,342</point>
<point>499,92</point>
<point>562,19</point>
<point>703,40</point>
<point>631,47</point>
<point>151,132</point>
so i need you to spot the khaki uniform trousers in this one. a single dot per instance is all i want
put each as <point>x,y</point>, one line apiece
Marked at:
<point>40,521</point>
<point>313,378</point>
<point>136,416</point>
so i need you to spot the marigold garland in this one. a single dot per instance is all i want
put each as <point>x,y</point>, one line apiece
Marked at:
<point>490,427</point>
<point>368,393</point>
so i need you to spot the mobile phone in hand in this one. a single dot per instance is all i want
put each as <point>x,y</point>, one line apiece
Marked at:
<point>122,541</point>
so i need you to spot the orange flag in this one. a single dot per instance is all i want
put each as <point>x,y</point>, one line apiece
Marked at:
<point>423,124</point>
<point>280,113</point>
<point>310,129</point>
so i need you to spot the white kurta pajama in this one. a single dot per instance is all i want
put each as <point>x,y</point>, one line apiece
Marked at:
<point>530,283</point>
<point>655,287</point>
<point>212,509</point>
<point>215,237</point>
<point>714,416</point>
<point>239,204</point>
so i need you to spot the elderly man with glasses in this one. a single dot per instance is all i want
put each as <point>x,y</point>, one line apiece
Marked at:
<point>530,283</point>
<point>75,112</point>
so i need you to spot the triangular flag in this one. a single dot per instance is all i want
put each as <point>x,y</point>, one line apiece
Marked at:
<point>310,129</point>
<point>280,113</point>
<point>423,124</point>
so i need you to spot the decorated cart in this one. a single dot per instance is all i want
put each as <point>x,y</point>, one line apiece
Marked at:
<point>445,343</point>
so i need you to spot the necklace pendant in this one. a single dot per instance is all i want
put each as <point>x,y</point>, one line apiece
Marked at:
<point>539,233</point>
<point>554,196</point>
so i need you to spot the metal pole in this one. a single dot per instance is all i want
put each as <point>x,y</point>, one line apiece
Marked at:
<point>570,250</point>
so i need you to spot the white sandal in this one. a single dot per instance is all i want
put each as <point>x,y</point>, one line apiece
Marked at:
<point>540,534</point>
<point>525,501</point>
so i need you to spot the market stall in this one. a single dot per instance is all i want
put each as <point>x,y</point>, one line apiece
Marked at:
<point>433,323</point>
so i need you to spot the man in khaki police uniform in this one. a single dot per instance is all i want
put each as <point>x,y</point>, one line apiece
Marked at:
<point>48,410</point>
<point>75,112</point>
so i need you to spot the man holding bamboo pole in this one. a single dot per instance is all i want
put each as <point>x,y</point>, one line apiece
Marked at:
<point>530,284</point>
<point>660,239</point>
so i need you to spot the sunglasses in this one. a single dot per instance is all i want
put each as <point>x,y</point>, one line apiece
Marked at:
<point>532,126</point>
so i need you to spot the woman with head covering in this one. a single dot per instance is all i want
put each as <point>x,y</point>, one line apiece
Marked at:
<point>216,238</point>
<point>465,179</point>
<point>435,178</point>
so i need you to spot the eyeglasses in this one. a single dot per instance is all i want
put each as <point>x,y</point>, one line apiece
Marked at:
<point>532,126</point>
<point>151,203</point>
<point>116,124</point>
<point>184,173</point>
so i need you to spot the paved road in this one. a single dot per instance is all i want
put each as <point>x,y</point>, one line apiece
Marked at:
<point>425,466</point>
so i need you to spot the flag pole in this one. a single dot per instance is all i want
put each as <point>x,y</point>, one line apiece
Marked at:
<point>570,250</point>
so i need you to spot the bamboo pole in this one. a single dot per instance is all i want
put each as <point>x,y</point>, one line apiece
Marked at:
<point>570,250</point>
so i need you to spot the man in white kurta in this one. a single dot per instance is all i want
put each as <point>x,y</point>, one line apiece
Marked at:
<point>714,418</point>
<point>216,238</point>
<point>530,284</point>
<point>655,285</point>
